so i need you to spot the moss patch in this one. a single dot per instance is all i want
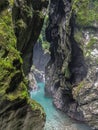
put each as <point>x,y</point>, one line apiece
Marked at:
<point>77,89</point>
<point>86,11</point>
<point>13,84</point>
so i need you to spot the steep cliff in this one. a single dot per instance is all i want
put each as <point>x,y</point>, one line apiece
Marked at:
<point>17,110</point>
<point>28,18</point>
<point>86,34</point>
<point>57,34</point>
<point>66,56</point>
<point>67,72</point>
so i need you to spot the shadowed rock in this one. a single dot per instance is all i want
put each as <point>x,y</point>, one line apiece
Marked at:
<point>66,73</point>
<point>17,110</point>
<point>28,18</point>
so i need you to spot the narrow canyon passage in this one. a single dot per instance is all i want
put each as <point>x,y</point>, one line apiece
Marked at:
<point>65,64</point>
<point>55,119</point>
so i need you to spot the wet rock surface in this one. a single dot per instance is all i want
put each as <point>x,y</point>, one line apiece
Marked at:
<point>19,115</point>
<point>28,18</point>
<point>60,48</point>
<point>17,110</point>
<point>71,78</point>
<point>86,94</point>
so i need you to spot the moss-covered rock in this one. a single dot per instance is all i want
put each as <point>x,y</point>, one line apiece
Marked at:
<point>70,74</point>
<point>57,33</point>
<point>86,33</point>
<point>67,66</point>
<point>28,18</point>
<point>17,110</point>
<point>3,4</point>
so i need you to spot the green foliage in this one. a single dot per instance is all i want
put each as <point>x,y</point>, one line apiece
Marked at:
<point>10,60</point>
<point>67,73</point>
<point>78,36</point>
<point>28,11</point>
<point>5,63</point>
<point>11,2</point>
<point>42,37</point>
<point>6,32</point>
<point>91,43</point>
<point>7,36</point>
<point>20,23</point>
<point>36,106</point>
<point>13,84</point>
<point>46,46</point>
<point>86,11</point>
<point>78,88</point>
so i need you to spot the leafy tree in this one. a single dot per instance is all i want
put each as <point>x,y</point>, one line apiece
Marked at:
<point>86,11</point>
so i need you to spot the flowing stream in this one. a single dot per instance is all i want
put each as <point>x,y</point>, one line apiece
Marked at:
<point>55,119</point>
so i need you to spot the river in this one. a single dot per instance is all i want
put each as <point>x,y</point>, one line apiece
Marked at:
<point>55,119</point>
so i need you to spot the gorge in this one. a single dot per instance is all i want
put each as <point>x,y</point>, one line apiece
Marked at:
<point>70,70</point>
<point>55,119</point>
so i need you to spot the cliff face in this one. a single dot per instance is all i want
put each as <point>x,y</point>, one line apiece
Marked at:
<point>86,94</point>
<point>57,34</point>
<point>68,73</point>
<point>17,110</point>
<point>67,65</point>
<point>28,18</point>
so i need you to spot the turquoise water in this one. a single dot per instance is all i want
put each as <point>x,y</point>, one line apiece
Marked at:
<point>55,119</point>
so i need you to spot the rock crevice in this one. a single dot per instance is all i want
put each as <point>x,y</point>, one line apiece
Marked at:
<point>17,110</point>
<point>69,77</point>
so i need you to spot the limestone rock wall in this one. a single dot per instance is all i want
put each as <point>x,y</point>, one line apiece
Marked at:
<point>71,72</point>
<point>58,33</point>
<point>28,18</point>
<point>67,66</point>
<point>17,110</point>
<point>85,93</point>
